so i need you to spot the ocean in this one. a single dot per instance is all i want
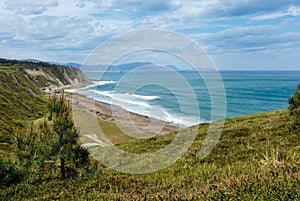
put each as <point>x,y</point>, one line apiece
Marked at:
<point>183,98</point>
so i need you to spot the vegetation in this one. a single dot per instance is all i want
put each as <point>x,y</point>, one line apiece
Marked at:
<point>40,152</point>
<point>66,147</point>
<point>294,108</point>
<point>21,100</point>
<point>256,158</point>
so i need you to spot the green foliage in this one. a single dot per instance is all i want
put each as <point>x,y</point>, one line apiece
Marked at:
<point>50,149</point>
<point>21,99</point>
<point>67,149</point>
<point>35,150</point>
<point>257,158</point>
<point>294,108</point>
<point>11,171</point>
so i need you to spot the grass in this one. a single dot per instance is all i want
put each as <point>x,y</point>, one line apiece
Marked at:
<point>21,100</point>
<point>113,133</point>
<point>256,158</point>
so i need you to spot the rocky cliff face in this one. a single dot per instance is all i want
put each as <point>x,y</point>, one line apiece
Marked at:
<point>57,76</point>
<point>72,75</point>
<point>43,74</point>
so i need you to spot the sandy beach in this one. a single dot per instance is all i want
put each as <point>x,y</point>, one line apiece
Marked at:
<point>107,112</point>
<point>134,125</point>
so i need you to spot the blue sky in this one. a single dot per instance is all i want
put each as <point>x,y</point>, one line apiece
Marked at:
<point>237,34</point>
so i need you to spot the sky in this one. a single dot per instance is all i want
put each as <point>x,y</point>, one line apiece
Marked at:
<point>236,34</point>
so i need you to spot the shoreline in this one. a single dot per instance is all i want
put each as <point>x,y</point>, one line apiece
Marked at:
<point>117,115</point>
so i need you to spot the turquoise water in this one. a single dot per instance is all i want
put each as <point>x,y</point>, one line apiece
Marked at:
<point>169,96</point>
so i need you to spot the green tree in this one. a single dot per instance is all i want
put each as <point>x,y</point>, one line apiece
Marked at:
<point>67,149</point>
<point>36,150</point>
<point>54,144</point>
<point>294,107</point>
<point>10,170</point>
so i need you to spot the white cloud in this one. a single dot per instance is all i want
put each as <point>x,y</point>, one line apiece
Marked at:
<point>32,7</point>
<point>249,39</point>
<point>133,5</point>
<point>290,11</point>
<point>66,30</point>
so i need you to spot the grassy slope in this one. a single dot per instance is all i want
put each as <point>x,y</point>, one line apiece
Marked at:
<point>20,101</point>
<point>257,157</point>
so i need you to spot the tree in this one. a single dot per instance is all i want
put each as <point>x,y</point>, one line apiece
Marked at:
<point>54,144</point>
<point>294,107</point>
<point>34,148</point>
<point>67,149</point>
<point>10,171</point>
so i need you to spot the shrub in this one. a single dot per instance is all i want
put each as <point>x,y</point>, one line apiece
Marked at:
<point>10,171</point>
<point>294,108</point>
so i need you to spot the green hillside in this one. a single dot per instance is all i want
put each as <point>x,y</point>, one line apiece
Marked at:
<point>21,98</point>
<point>257,158</point>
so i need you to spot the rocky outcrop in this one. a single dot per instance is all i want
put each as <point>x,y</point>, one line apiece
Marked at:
<point>43,74</point>
<point>58,76</point>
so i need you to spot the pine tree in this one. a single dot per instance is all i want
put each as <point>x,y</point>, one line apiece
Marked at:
<point>294,107</point>
<point>53,144</point>
<point>67,148</point>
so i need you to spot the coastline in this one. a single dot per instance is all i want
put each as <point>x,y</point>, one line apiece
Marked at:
<point>136,125</point>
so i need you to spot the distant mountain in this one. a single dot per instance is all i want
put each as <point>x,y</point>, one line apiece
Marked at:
<point>113,68</point>
<point>75,65</point>
<point>173,68</point>
<point>131,66</point>
<point>124,67</point>
<point>31,60</point>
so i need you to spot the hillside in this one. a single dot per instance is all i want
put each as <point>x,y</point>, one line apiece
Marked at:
<point>256,158</point>
<point>21,97</point>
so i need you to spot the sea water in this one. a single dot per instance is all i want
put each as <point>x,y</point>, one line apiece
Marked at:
<point>183,98</point>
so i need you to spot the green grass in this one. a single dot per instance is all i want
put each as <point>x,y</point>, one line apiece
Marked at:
<point>256,158</point>
<point>21,100</point>
<point>113,133</point>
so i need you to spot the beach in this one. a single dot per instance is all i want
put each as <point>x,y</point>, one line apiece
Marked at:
<point>128,123</point>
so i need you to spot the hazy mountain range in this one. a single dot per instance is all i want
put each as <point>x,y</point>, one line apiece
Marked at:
<point>121,67</point>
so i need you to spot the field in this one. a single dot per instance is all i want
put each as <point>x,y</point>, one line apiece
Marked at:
<point>256,158</point>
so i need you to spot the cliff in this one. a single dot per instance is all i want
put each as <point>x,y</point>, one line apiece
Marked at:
<point>21,97</point>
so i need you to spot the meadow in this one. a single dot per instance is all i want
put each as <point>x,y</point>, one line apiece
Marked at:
<point>257,158</point>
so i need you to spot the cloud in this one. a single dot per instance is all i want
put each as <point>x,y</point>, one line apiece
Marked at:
<point>70,29</point>
<point>290,11</point>
<point>251,7</point>
<point>264,38</point>
<point>33,7</point>
<point>195,11</point>
<point>132,5</point>
<point>61,37</point>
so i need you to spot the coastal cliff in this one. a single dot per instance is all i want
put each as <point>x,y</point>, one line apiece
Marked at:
<point>22,97</point>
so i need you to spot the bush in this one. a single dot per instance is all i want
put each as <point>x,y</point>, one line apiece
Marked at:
<point>294,108</point>
<point>10,171</point>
